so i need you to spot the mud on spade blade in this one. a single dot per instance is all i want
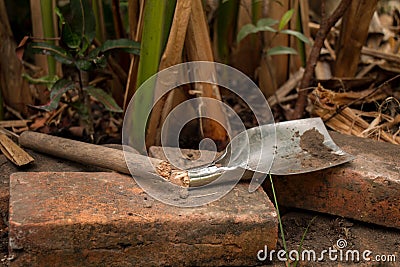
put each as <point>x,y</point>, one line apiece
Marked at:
<point>300,146</point>
<point>305,146</point>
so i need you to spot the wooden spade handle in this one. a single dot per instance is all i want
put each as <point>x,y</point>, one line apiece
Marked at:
<point>89,154</point>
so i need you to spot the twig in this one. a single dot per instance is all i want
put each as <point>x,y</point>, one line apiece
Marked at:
<point>14,123</point>
<point>378,54</point>
<point>323,31</point>
<point>330,50</point>
<point>376,89</point>
<point>14,112</point>
<point>285,89</point>
<point>361,98</point>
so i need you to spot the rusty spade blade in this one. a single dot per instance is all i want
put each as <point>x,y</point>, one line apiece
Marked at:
<point>300,146</point>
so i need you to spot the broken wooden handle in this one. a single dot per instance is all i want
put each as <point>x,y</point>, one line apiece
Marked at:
<point>90,154</point>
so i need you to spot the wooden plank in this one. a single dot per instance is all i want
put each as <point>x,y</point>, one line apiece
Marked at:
<point>14,123</point>
<point>353,36</point>
<point>198,47</point>
<point>13,152</point>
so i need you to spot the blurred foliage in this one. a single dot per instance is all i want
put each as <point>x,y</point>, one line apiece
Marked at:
<point>266,24</point>
<point>19,14</point>
<point>77,27</point>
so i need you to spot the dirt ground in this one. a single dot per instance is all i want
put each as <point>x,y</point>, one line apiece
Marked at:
<point>323,233</point>
<point>331,231</point>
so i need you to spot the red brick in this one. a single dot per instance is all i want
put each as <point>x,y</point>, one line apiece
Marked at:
<point>105,219</point>
<point>367,189</point>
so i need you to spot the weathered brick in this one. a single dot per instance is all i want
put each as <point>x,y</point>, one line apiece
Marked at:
<point>367,189</point>
<point>105,219</point>
<point>42,163</point>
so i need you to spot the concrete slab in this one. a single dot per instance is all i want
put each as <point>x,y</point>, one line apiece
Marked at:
<point>105,219</point>
<point>367,189</point>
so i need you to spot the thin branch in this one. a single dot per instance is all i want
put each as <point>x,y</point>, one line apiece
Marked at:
<point>326,25</point>
<point>376,89</point>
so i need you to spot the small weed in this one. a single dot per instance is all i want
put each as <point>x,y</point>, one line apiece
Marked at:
<point>282,231</point>
<point>76,50</point>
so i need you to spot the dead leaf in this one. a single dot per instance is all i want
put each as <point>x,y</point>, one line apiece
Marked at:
<point>19,51</point>
<point>39,122</point>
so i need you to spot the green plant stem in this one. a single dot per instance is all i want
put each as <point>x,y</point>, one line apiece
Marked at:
<point>256,10</point>
<point>256,14</point>
<point>271,71</point>
<point>268,60</point>
<point>47,10</point>
<point>99,16</point>
<point>152,39</point>
<point>150,54</point>
<point>169,16</point>
<point>226,30</point>
<point>87,110</point>
<point>279,218</point>
<point>301,46</point>
<point>302,239</point>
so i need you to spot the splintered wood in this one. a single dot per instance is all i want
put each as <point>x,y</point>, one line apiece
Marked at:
<point>13,152</point>
<point>335,109</point>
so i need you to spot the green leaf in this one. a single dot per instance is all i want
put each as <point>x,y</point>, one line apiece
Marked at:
<point>82,21</point>
<point>281,50</point>
<point>266,22</point>
<point>52,50</point>
<point>61,19</point>
<point>84,65</point>
<point>71,39</point>
<point>58,89</point>
<point>90,21</point>
<point>104,98</point>
<point>75,17</point>
<point>48,80</point>
<point>96,58</point>
<point>265,28</point>
<point>297,34</point>
<point>126,45</point>
<point>285,19</point>
<point>85,45</point>
<point>265,25</point>
<point>94,53</point>
<point>68,37</point>
<point>278,2</point>
<point>244,31</point>
<point>100,62</point>
<point>262,25</point>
